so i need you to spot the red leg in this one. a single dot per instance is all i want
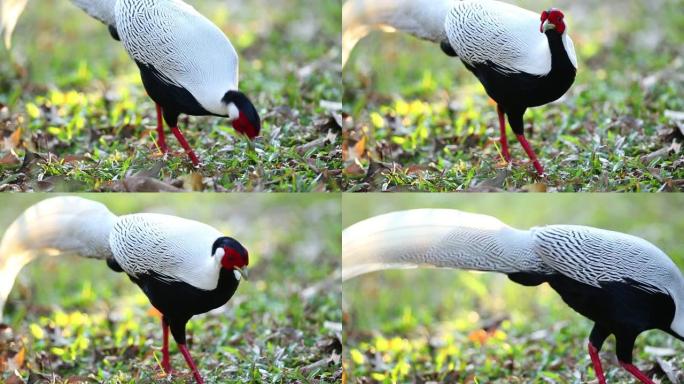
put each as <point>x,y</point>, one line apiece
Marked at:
<point>636,373</point>
<point>161,140</point>
<point>530,152</point>
<point>191,364</point>
<point>185,145</point>
<point>166,361</point>
<point>503,139</point>
<point>596,361</point>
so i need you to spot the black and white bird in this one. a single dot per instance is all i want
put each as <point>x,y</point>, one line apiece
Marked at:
<point>521,58</point>
<point>187,65</point>
<point>623,283</point>
<point>186,62</point>
<point>183,266</point>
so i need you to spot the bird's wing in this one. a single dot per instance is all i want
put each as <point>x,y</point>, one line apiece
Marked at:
<point>102,10</point>
<point>499,34</point>
<point>174,248</point>
<point>184,48</point>
<point>592,256</point>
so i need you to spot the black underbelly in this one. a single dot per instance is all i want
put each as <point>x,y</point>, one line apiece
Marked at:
<point>522,90</point>
<point>173,99</point>
<point>621,307</point>
<point>180,300</point>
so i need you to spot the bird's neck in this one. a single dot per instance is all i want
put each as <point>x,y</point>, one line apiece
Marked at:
<point>561,61</point>
<point>227,280</point>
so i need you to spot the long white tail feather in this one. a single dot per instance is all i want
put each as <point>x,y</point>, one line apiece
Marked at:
<point>56,226</point>
<point>442,238</point>
<point>9,14</point>
<point>421,18</point>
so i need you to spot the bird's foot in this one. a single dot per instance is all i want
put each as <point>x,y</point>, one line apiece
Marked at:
<point>538,168</point>
<point>636,373</point>
<point>166,367</point>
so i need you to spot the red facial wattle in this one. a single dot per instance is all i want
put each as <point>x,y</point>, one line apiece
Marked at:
<point>232,259</point>
<point>244,126</point>
<point>553,16</point>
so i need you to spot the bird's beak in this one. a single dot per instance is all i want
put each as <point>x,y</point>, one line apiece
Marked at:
<point>546,25</point>
<point>240,273</point>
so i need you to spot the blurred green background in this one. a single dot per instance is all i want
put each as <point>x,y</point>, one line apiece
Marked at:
<point>74,317</point>
<point>466,327</point>
<point>429,125</point>
<point>74,93</point>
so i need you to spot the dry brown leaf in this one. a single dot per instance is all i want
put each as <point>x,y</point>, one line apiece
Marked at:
<point>360,149</point>
<point>146,184</point>
<point>354,170</point>
<point>479,336</point>
<point>9,159</point>
<point>196,182</point>
<point>13,140</point>
<point>416,168</point>
<point>17,362</point>
<point>536,187</point>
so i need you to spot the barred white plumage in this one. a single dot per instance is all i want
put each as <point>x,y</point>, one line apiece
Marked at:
<point>593,255</point>
<point>174,248</point>
<point>183,46</point>
<point>482,31</point>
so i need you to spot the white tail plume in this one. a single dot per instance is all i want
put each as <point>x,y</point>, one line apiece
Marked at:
<point>438,238</point>
<point>59,225</point>
<point>421,18</point>
<point>9,14</point>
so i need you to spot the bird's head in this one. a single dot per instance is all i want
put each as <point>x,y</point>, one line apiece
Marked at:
<point>242,113</point>
<point>552,19</point>
<point>234,257</point>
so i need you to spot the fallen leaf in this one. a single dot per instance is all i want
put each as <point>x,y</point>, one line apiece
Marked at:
<point>146,184</point>
<point>479,336</point>
<point>536,187</point>
<point>10,159</point>
<point>668,369</point>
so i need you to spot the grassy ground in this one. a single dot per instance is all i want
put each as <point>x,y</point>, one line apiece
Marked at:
<point>418,120</point>
<point>461,327</point>
<point>74,115</point>
<point>73,319</point>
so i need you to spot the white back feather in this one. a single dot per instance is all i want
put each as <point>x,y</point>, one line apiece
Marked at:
<point>176,249</point>
<point>506,35</point>
<point>187,49</point>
